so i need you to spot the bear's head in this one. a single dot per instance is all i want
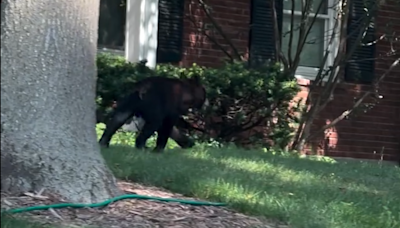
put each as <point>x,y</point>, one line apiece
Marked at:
<point>195,95</point>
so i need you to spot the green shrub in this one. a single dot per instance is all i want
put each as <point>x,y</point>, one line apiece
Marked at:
<point>241,98</point>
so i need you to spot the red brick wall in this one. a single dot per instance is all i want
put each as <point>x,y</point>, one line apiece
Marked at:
<point>367,136</point>
<point>234,18</point>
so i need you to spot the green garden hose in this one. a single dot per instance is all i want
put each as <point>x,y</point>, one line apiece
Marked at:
<point>105,203</point>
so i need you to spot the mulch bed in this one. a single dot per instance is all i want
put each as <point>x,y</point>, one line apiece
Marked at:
<point>131,213</point>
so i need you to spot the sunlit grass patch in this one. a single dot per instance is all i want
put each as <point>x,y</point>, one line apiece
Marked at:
<point>302,192</point>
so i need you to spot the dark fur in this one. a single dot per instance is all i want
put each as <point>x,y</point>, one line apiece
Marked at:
<point>160,102</point>
<point>181,139</point>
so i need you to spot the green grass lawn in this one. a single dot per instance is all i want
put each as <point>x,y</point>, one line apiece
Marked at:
<point>301,192</point>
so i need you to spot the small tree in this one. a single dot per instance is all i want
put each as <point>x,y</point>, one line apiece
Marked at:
<point>48,78</point>
<point>296,31</point>
<point>350,35</point>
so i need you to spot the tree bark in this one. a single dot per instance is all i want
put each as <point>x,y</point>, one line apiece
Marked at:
<point>48,79</point>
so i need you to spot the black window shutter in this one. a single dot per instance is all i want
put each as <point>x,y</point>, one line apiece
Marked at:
<point>262,37</point>
<point>170,30</point>
<point>361,65</point>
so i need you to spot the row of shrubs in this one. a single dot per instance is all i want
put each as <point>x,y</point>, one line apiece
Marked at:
<point>242,99</point>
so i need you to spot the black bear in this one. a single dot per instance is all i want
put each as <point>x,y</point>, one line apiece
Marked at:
<point>136,124</point>
<point>160,102</point>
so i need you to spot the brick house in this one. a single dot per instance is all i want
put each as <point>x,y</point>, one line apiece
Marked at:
<point>160,38</point>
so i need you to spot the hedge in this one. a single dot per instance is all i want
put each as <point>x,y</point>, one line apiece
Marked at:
<point>248,106</point>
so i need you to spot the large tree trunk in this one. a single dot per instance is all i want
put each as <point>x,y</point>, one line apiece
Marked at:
<point>48,79</point>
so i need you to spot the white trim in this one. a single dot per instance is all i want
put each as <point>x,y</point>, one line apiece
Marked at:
<point>298,13</point>
<point>111,51</point>
<point>310,73</point>
<point>141,31</point>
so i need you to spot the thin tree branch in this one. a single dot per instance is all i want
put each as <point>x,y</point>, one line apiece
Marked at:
<point>214,41</point>
<point>358,103</point>
<point>205,7</point>
<point>279,55</point>
<point>304,30</point>
<point>309,114</point>
<point>340,62</point>
<point>290,59</point>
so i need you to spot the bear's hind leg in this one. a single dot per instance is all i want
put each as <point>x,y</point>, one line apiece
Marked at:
<point>147,131</point>
<point>182,140</point>
<point>119,118</point>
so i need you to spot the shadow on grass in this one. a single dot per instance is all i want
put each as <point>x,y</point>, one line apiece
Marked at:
<point>358,171</point>
<point>300,192</point>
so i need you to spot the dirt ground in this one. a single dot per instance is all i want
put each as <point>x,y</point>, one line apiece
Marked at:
<point>135,213</point>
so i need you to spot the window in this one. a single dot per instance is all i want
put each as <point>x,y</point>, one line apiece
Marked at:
<point>112,20</point>
<point>126,27</point>
<point>361,65</point>
<point>317,40</point>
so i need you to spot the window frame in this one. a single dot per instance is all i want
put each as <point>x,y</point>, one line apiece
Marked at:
<point>131,27</point>
<point>115,51</point>
<point>310,73</point>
